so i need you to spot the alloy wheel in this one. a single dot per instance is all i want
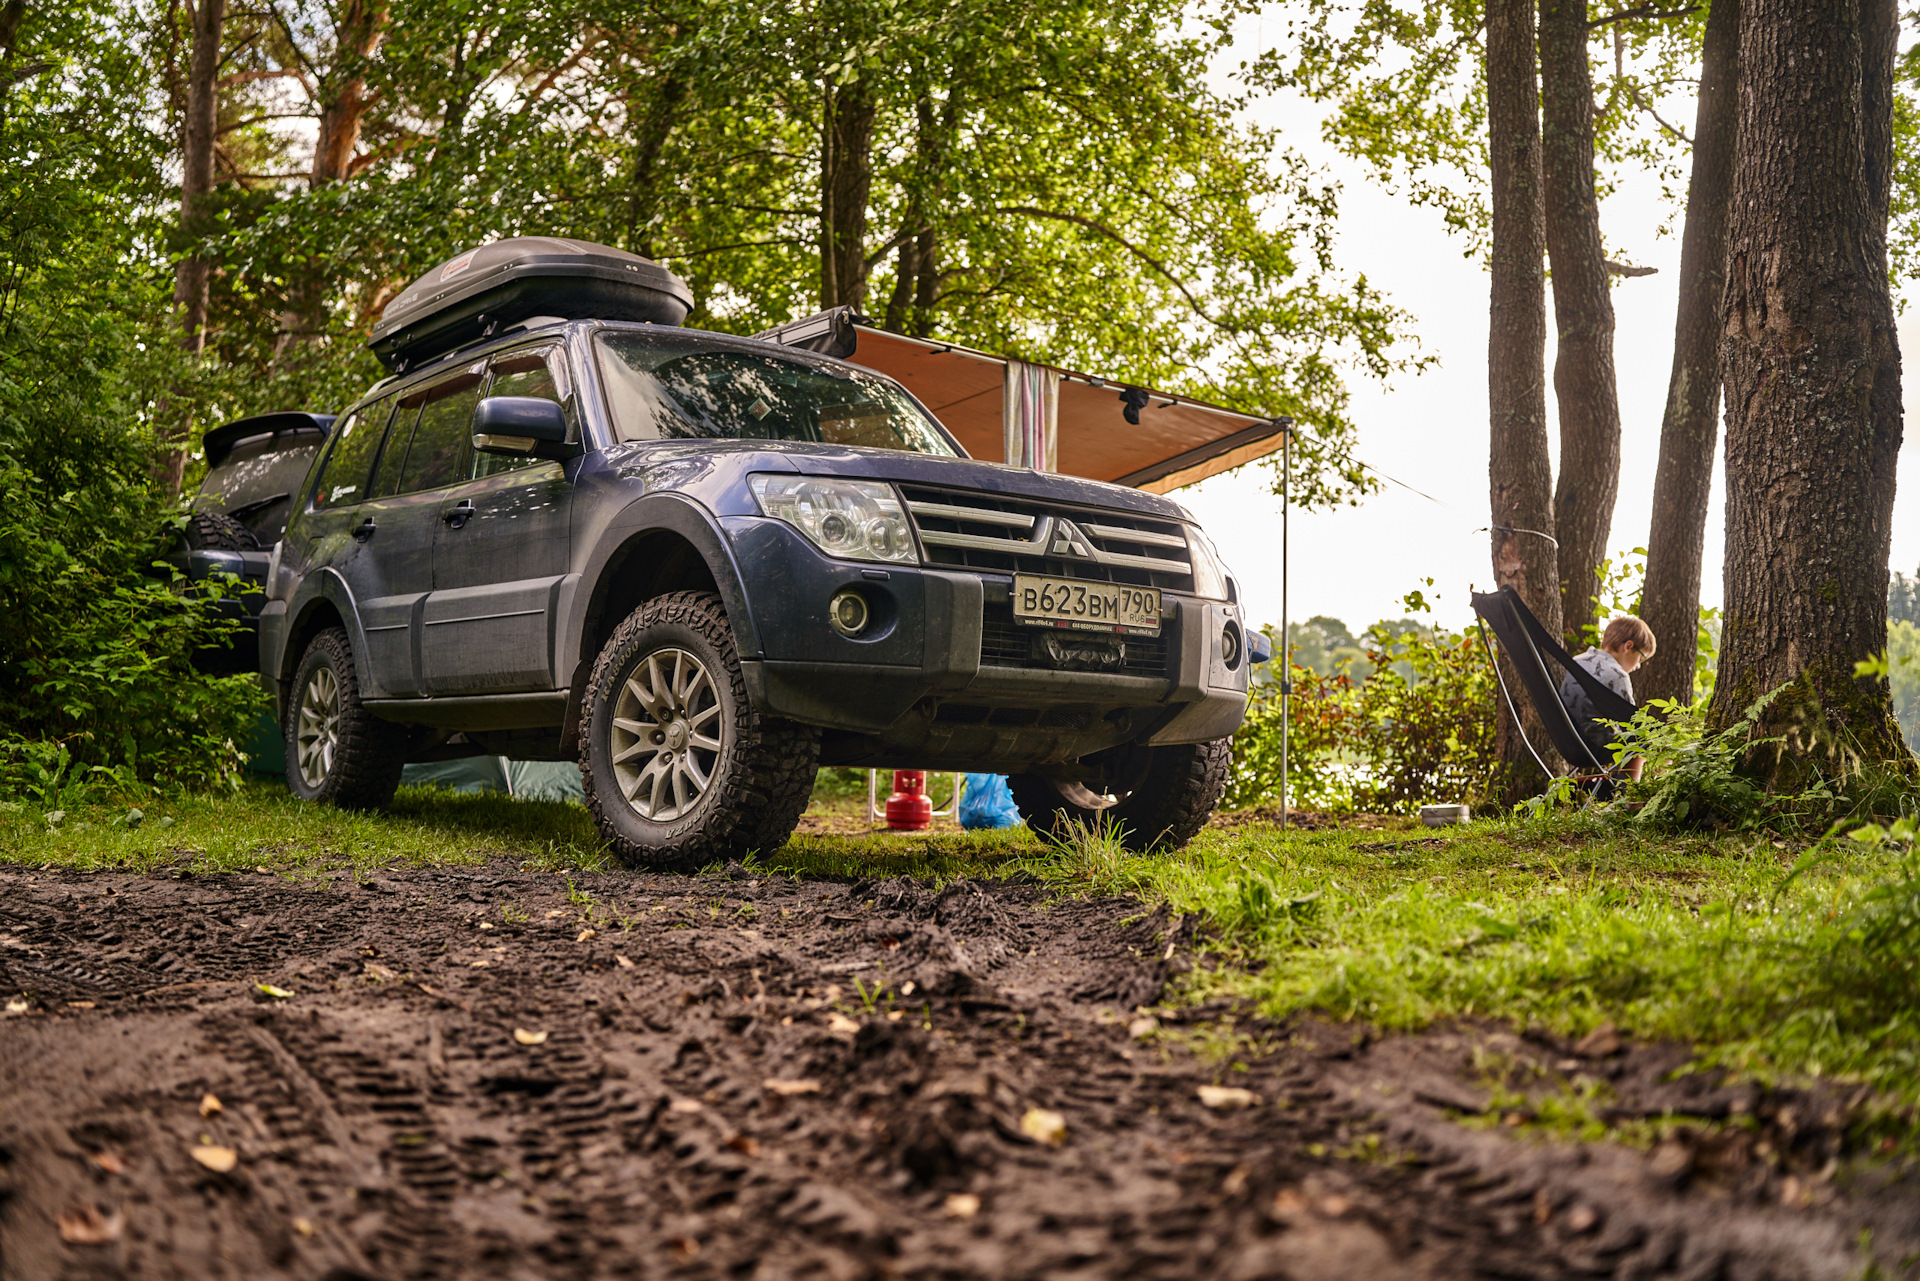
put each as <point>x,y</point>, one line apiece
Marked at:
<point>317,737</point>
<point>666,734</point>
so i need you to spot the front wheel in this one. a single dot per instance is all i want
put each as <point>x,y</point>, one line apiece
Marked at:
<point>1169,802</point>
<point>337,750</point>
<point>679,769</point>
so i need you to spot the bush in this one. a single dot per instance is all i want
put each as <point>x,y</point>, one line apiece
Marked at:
<point>1416,728</point>
<point>97,691</point>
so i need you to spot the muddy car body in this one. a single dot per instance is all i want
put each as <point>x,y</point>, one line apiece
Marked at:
<point>572,489</point>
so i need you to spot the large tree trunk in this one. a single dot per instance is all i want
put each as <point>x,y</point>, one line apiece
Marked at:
<point>1583,378</point>
<point>1519,469</point>
<point>1812,381</point>
<point>1689,433</point>
<point>846,179</point>
<point>916,278</point>
<point>192,274</point>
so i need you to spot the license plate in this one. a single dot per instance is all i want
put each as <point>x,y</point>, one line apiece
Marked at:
<point>1087,607</point>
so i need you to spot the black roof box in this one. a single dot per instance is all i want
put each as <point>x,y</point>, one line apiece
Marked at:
<point>484,290</point>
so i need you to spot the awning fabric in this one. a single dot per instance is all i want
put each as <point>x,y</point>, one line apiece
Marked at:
<point>1178,440</point>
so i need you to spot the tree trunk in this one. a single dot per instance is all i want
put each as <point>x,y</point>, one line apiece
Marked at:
<point>1519,469</point>
<point>654,127</point>
<point>1812,381</point>
<point>1583,378</point>
<point>846,177</point>
<point>192,274</point>
<point>1689,433</point>
<point>343,108</point>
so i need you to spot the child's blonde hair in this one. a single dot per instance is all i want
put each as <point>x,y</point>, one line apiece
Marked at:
<point>1628,630</point>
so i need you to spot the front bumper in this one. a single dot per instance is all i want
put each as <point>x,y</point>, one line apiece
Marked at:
<point>942,677</point>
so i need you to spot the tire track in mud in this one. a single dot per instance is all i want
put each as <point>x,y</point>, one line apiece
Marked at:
<point>752,1078</point>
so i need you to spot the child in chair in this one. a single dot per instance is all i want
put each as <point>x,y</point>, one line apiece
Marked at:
<point>1625,645</point>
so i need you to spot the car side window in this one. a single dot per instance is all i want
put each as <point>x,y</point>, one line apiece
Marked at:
<point>343,478</point>
<point>442,438</point>
<point>393,458</point>
<point>541,372</point>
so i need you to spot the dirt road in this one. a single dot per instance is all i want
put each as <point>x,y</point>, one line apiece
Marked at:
<point>498,1073</point>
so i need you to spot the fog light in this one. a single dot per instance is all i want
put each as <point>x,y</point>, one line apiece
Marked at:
<point>1230,646</point>
<point>848,613</point>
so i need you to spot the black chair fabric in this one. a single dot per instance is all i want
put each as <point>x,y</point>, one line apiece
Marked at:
<point>1530,649</point>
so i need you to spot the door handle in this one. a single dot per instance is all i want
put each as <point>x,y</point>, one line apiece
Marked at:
<point>364,530</point>
<point>458,514</point>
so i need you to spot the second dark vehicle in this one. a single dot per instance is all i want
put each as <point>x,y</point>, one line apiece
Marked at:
<point>705,565</point>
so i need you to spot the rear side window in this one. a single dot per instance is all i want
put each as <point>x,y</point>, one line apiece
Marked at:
<point>437,454</point>
<point>356,437</point>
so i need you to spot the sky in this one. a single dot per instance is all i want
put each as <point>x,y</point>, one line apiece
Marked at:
<point>1430,431</point>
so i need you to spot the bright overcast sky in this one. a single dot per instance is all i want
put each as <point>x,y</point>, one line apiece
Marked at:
<point>1430,432</point>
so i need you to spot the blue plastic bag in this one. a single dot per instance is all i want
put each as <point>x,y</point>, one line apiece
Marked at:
<point>986,802</point>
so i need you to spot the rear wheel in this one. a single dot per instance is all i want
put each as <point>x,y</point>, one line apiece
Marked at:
<point>337,750</point>
<point>1163,805</point>
<point>679,769</point>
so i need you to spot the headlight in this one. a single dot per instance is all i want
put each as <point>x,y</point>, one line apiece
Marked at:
<point>1209,575</point>
<point>857,519</point>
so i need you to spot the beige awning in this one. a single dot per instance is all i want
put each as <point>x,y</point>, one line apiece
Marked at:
<point>1179,440</point>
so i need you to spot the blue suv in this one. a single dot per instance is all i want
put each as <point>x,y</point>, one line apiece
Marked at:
<point>705,566</point>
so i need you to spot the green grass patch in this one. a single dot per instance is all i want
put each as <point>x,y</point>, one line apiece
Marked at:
<point>1566,925</point>
<point>262,825</point>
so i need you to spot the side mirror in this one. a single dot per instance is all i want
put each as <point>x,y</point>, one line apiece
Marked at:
<point>522,426</point>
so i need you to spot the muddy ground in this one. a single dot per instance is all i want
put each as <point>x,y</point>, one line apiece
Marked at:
<point>492,1072</point>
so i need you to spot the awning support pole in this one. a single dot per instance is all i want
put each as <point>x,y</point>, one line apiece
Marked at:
<point>1286,636</point>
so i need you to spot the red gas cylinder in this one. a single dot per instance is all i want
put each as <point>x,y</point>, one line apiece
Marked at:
<point>908,809</point>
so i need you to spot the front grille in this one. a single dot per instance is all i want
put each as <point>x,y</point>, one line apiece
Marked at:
<point>989,531</point>
<point>1005,643</point>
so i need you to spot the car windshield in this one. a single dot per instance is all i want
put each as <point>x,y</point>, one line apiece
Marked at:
<point>667,387</point>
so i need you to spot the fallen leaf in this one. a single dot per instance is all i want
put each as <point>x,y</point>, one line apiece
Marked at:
<point>90,1225</point>
<point>586,934</point>
<point>1599,1043</point>
<point>263,871</point>
<point>623,962</point>
<point>525,1037</point>
<point>558,911</point>
<point>478,965</point>
<point>303,1226</point>
<point>217,1159</point>
<point>685,1247</point>
<point>19,1005</point>
<point>962,1205</point>
<point>209,1104</point>
<point>268,989</point>
<point>686,1105</point>
<point>802,1085</point>
<point>110,1162</point>
<point>841,1023</point>
<point>744,1144</point>
<point>1043,1126</point>
<point>1227,1098</point>
<point>1143,1027</point>
<point>378,972</point>
<point>80,1005</point>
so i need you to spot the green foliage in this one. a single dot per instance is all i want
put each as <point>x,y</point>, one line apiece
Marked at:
<point>1414,727</point>
<point>1903,675</point>
<point>97,694</point>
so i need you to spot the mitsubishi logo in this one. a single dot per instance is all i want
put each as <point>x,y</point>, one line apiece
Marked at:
<point>1061,537</point>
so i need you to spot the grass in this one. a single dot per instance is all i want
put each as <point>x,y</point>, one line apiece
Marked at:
<point>1563,924</point>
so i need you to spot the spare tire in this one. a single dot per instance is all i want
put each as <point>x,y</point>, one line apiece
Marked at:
<point>209,530</point>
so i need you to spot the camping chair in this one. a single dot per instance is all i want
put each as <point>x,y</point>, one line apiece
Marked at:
<point>1529,647</point>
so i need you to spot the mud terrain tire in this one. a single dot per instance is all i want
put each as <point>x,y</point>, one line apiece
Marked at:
<point>679,768</point>
<point>353,758</point>
<point>217,531</point>
<point>1172,803</point>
